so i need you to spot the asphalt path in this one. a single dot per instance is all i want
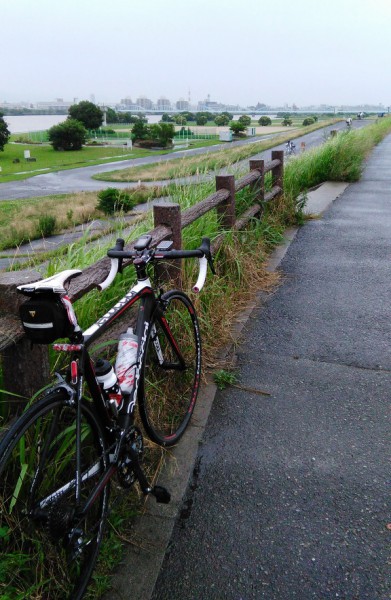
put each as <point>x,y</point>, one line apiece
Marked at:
<point>76,180</point>
<point>289,496</point>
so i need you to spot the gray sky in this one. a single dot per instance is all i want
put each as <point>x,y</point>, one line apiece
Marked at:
<point>291,51</point>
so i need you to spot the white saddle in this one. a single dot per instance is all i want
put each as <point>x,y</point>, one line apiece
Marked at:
<point>55,284</point>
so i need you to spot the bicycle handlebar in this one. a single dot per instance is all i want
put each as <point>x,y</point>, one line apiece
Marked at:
<point>118,254</point>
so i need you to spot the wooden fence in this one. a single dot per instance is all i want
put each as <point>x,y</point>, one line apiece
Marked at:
<point>26,367</point>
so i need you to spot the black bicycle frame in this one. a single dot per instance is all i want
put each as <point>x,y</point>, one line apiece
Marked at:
<point>149,307</point>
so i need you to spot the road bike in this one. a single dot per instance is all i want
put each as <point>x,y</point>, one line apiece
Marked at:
<point>58,458</point>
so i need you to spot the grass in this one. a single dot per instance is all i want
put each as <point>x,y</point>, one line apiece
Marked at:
<point>240,265</point>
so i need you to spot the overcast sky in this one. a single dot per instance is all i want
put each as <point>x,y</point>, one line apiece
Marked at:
<point>298,51</point>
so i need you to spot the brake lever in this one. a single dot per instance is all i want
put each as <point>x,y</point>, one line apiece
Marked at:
<point>209,258</point>
<point>205,248</point>
<point>119,245</point>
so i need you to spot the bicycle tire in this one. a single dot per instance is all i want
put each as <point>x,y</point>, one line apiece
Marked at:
<point>49,552</point>
<point>168,391</point>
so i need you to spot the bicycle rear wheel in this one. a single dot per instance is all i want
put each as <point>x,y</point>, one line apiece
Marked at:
<point>48,547</point>
<point>171,370</point>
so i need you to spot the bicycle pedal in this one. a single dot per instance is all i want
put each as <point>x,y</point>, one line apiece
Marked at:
<point>162,495</point>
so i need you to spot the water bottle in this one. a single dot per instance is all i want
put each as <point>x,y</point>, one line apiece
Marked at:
<point>125,365</point>
<point>108,381</point>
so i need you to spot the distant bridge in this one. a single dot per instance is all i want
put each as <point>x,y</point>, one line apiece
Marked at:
<point>155,111</point>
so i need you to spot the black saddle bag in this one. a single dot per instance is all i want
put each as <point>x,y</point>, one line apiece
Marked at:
<point>45,318</point>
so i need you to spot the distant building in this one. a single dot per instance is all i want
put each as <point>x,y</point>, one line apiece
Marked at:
<point>163,104</point>
<point>15,105</point>
<point>57,104</point>
<point>182,104</point>
<point>126,102</point>
<point>145,103</point>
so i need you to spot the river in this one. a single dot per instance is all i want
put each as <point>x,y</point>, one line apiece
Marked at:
<point>28,123</point>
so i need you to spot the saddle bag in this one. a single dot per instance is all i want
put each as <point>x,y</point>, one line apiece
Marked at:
<point>46,317</point>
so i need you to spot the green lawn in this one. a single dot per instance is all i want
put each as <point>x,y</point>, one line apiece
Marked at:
<point>48,160</point>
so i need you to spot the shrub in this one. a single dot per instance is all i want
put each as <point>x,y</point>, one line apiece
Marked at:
<point>287,121</point>
<point>308,121</point>
<point>69,135</point>
<point>163,132</point>
<point>237,127</point>
<point>264,121</point>
<point>112,200</point>
<point>140,130</point>
<point>148,144</point>
<point>46,225</point>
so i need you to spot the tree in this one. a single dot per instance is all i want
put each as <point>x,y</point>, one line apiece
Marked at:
<point>140,130</point>
<point>308,121</point>
<point>245,120</point>
<point>180,119</point>
<point>166,118</point>
<point>87,113</point>
<point>124,117</point>
<point>237,127</point>
<point>163,133</point>
<point>201,119</point>
<point>69,135</point>
<point>222,119</point>
<point>228,114</point>
<point>111,116</point>
<point>287,121</point>
<point>138,117</point>
<point>4,133</point>
<point>265,121</point>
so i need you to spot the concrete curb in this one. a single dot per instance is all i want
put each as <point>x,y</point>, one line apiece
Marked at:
<point>152,530</point>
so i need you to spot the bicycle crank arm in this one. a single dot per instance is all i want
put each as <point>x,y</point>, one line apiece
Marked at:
<point>161,494</point>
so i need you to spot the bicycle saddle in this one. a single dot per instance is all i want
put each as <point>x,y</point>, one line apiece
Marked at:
<point>55,283</point>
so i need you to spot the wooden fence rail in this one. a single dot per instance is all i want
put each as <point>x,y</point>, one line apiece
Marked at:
<point>26,367</point>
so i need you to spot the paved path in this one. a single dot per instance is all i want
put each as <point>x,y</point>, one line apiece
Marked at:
<point>288,498</point>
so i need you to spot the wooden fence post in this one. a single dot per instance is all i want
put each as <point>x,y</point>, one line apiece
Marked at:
<point>258,187</point>
<point>226,210</point>
<point>25,366</point>
<point>25,369</point>
<point>278,171</point>
<point>169,214</point>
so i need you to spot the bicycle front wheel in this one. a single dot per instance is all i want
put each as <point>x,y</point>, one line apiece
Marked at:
<point>171,370</point>
<point>48,546</point>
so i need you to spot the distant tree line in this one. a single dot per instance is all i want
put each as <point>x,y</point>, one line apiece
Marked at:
<point>86,117</point>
